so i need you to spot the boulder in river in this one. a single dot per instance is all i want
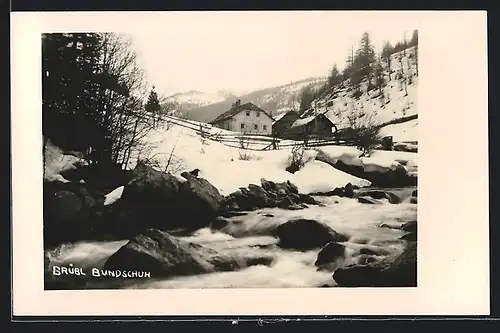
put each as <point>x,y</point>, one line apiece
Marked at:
<point>378,194</point>
<point>163,255</point>
<point>329,253</point>
<point>305,234</point>
<point>400,272</point>
<point>369,200</point>
<point>161,201</point>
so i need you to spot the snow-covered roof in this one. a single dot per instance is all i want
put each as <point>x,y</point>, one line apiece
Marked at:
<point>278,117</point>
<point>303,121</point>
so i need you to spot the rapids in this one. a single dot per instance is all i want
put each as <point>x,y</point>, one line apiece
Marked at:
<point>252,233</point>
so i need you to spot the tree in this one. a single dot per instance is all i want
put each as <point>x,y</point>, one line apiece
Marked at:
<point>93,92</point>
<point>306,98</point>
<point>152,106</point>
<point>365,57</point>
<point>414,42</point>
<point>387,51</point>
<point>379,75</point>
<point>414,38</point>
<point>335,77</point>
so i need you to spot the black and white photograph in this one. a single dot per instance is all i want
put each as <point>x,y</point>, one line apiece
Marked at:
<point>270,155</point>
<point>249,163</point>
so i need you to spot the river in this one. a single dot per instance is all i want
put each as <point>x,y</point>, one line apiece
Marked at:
<point>251,234</point>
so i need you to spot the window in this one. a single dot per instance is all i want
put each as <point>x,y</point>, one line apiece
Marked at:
<point>255,127</point>
<point>258,113</point>
<point>248,113</point>
<point>264,127</point>
<point>242,126</point>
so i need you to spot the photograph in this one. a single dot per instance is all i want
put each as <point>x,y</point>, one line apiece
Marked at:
<point>277,153</point>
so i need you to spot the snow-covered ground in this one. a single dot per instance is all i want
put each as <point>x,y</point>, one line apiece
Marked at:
<point>230,168</point>
<point>404,132</point>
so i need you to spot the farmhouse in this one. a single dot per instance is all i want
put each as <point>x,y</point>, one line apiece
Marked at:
<point>246,118</point>
<point>316,126</point>
<point>282,125</point>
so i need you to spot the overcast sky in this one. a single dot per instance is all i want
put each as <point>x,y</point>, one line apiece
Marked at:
<point>243,51</point>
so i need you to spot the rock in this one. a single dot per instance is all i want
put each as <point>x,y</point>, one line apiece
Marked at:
<point>268,215</point>
<point>70,213</point>
<point>368,200</point>
<point>357,276</point>
<point>270,195</point>
<point>219,223</point>
<point>409,237</point>
<point>397,178</point>
<point>160,200</point>
<point>349,190</point>
<point>413,200</point>
<point>410,226</point>
<point>329,253</point>
<point>200,201</point>
<point>304,234</point>
<point>377,194</point>
<point>187,175</point>
<point>372,250</point>
<point>414,193</point>
<point>164,256</point>
<point>401,272</point>
<point>151,189</point>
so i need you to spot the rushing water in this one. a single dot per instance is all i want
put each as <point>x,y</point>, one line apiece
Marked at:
<point>252,234</point>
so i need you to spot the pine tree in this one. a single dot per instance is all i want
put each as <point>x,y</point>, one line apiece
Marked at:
<point>153,106</point>
<point>335,77</point>
<point>379,75</point>
<point>365,57</point>
<point>387,51</point>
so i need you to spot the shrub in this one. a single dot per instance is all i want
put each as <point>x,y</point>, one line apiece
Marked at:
<point>297,158</point>
<point>244,153</point>
<point>364,132</point>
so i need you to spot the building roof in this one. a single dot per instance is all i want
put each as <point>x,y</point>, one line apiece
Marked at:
<point>235,109</point>
<point>282,115</point>
<point>307,120</point>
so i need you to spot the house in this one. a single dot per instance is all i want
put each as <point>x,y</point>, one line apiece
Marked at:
<point>282,125</point>
<point>315,126</point>
<point>246,118</point>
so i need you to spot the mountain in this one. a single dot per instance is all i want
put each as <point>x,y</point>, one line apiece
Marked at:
<point>195,99</point>
<point>273,99</point>
<point>343,105</point>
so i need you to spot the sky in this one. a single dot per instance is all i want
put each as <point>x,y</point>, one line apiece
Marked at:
<point>244,51</point>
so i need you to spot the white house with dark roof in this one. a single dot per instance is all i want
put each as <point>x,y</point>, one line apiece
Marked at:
<point>245,118</point>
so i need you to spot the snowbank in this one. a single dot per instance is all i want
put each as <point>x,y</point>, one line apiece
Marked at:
<point>319,176</point>
<point>380,161</point>
<point>404,132</point>
<point>57,162</point>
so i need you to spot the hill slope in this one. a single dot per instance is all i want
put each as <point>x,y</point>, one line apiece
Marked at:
<point>393,101</point>
<point>273,100</point>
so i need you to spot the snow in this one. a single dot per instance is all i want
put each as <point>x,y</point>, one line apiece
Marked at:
<point>347,155</point>
<point>113,196</point>
<point>319,176</point>
<point>56,162</point>
<point>199,98</point>
<point>304,121</point>
<point>404,132</point>
<point>378,161</point>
